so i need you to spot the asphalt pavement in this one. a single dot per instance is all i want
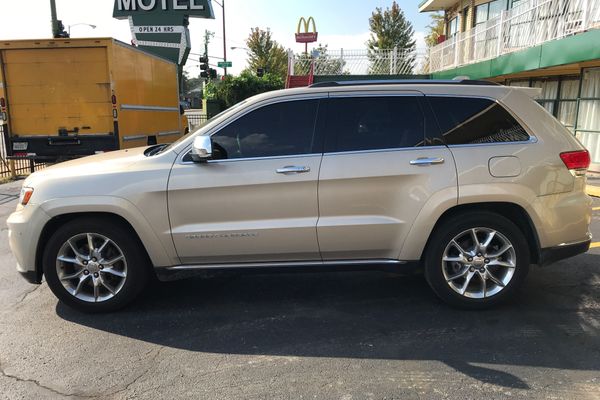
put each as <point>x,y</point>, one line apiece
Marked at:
<point>357,335</point>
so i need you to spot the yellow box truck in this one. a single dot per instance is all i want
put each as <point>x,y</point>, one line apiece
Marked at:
<point>66,98</point>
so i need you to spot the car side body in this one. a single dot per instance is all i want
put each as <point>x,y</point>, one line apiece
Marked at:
<point>379,205</point>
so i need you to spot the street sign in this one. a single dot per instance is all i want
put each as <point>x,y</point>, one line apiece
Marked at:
<point>225,64</point>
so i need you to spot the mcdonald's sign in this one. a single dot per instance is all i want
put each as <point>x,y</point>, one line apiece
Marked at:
<point>306,36</point>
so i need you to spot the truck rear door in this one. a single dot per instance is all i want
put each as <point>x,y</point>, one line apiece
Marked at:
<point>55,94</point>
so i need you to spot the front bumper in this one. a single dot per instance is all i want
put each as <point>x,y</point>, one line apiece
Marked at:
<point>553,254</point>
<point>24,230</point>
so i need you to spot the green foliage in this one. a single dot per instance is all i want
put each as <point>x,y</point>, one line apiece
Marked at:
<point>390,29</point>
<point>436,29</point>
<point>264,52</point>
<point>234,89</point>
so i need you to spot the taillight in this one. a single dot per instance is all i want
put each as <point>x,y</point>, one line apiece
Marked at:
<point>576,160</point>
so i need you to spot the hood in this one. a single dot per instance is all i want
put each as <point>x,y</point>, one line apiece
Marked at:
<point>87,166</point>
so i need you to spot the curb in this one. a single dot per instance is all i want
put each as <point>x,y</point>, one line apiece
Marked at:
<point>593,190</point>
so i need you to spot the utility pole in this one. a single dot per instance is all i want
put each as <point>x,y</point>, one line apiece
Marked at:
<point>55,30</point>
<point>224,40</point>
<point>58,29</point>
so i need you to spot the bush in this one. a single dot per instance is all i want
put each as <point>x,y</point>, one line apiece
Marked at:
<point>234,89</point>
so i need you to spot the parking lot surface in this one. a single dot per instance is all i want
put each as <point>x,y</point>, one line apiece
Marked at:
<point>358,335</point>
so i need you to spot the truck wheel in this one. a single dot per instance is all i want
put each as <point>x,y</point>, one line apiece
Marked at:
<point>476,260</point>
<point>93,265</point>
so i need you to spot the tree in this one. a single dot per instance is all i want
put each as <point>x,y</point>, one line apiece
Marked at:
<point>234,89</point>
<point>391,30</point>
<point>264,52</point>
<point>436,29</point>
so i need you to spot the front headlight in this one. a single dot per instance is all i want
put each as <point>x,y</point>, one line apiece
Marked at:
<point>25,196</point>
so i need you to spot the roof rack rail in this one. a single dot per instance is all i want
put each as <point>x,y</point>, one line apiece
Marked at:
<point>403,82</point>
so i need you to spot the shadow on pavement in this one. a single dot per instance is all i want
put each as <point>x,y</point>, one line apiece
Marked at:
<point>553,323</point>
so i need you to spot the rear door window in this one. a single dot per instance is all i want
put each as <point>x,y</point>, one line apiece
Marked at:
<point>466,120</point>
<point>374,123</point>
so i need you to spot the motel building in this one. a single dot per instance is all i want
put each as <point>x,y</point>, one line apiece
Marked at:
<point>549,44</point>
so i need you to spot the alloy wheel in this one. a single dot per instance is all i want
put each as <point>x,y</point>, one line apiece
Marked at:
<point>479,263</point>
<point>91,267</point>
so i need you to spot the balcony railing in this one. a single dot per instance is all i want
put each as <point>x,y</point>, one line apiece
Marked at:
<point>529,24</point>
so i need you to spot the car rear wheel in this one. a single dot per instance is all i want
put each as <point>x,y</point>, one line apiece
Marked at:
<point>476,260</point>
<point>95,265</point>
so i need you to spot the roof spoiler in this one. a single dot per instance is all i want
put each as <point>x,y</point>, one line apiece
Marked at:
<point>534,93</point>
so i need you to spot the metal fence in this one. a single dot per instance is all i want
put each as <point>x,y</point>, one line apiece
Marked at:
<point>196,118</point>
<point>16,167</point>
<point>357,62</point>
<point>530,23</point>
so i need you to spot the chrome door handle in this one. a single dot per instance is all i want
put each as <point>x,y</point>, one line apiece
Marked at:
<point>427,161</point>
<point>292,169</point>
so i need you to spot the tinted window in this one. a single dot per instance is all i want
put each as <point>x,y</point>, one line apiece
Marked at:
<point>467,120</point>
<point>370,123</point>
<point>276,130</point>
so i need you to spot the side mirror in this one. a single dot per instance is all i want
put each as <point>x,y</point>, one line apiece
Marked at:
<point>201,149</point>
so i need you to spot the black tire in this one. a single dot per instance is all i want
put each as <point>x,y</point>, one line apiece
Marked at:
<point>138,266</point>
<point>454,226</point>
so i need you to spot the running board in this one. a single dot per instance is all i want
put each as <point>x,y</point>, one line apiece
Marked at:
<point>182,271</point>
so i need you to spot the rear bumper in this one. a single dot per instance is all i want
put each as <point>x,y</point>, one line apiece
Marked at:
<point>44,148</point>
<point>553,254</point>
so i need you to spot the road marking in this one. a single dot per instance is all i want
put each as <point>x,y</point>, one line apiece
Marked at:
<point>595,245</point>
<point>593,190</point>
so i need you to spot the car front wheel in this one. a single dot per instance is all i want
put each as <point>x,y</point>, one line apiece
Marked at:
<point>95,265</point>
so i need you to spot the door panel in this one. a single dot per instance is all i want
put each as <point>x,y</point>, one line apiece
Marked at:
<point>368,202</point>
<point>377,174</point>
<point>244,211</point>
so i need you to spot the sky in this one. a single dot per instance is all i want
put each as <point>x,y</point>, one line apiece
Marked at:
<point>340,23</point>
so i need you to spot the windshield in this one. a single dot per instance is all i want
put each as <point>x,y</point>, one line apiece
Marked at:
<point>199,127</point>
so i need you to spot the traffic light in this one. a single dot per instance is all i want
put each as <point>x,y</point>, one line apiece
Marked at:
<point>213,73</point>
<point>204,63</point>
<point>260,72</point>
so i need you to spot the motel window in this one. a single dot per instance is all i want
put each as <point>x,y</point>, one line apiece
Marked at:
<point>549,93</point>
<point>567,103</point>
<point>485,12</point>
<point>453,27</point>
<point>588,117</point>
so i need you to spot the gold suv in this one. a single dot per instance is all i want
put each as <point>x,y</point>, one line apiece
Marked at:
<point>470,180</point>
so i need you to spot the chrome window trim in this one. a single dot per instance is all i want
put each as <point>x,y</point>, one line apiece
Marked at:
<point>531,140</point>
<point>388,150</point>
<point>253,158</point>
